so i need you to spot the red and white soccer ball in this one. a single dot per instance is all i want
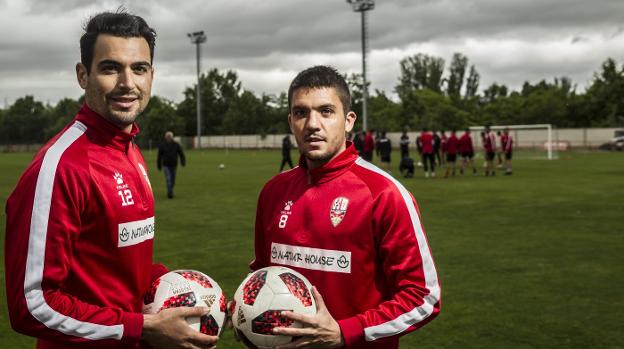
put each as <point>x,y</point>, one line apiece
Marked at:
<point>261,298</point>
<point>188,288</point>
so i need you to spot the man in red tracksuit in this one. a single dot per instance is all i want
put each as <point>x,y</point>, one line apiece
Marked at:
<point>80,222</point>
<point>354,231</point>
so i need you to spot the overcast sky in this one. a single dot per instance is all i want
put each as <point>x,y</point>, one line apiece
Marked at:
<point>268,41</point>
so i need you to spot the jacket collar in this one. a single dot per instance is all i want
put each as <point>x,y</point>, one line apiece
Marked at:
<point>105,132</point>
<point>333,168</point>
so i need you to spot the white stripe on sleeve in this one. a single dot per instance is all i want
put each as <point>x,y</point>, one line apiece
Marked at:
<point>406,320</point>
<point>35,300</point>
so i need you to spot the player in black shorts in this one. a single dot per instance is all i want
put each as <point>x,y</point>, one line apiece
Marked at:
<point>466,150</point>
<point>384,146</point>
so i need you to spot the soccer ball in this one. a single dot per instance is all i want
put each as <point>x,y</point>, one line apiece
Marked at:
<point>261,298</point>
<point>188,288</point>
<point>221,166</point>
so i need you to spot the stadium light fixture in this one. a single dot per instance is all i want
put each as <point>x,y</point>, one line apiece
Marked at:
<point>198,38</point>
<point>363,6</point>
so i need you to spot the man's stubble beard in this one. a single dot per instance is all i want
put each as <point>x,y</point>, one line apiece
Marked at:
<point>319,158</point>
<point>324,157</point>
<point>124,118</point>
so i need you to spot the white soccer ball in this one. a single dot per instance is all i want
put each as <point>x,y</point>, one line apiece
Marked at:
<point>188,288</point>
<point>260,299</point>
<point>221,166</point>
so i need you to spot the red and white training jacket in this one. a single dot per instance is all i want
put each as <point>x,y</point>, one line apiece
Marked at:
<point>489,142</point>
<point>506,143</point>
<point>79,239</point>
<point>355,233</point>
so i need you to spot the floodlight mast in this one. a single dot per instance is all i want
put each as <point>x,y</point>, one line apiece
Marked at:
<point>198,38</point>
<point>363,6</point>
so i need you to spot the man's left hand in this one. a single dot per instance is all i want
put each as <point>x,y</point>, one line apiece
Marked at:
<point>319,331</point>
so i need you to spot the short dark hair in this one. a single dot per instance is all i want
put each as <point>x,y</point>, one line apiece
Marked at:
<point>321,76</point>
<point>121,24</point>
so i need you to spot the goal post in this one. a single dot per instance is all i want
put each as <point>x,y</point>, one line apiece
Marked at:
<point>529,138</point>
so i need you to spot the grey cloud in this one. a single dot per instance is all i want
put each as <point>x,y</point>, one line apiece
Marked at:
<point>270,35</point>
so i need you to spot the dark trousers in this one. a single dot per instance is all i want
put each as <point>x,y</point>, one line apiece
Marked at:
<point>170,174</point>
<point>430,159</point>
<point>286,160</point>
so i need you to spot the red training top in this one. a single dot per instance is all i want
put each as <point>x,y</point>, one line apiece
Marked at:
<point>465,144</point>
<point>427,142</point>
<point>506,142</point>
<point>489,142</point>
<point>369,143</point>
<point>452,144</point>
<point>355,232</point>
<point>79,239</point>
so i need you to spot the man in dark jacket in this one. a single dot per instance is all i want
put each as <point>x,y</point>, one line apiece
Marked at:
<point>384,146</point>
<point>286,146</point>
<point>168,153</point>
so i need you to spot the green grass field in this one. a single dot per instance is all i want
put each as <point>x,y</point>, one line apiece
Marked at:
<point>533,260</point>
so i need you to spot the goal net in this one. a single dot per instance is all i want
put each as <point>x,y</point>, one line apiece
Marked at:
<point>537,141</point>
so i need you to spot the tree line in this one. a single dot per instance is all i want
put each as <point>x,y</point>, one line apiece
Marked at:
<point>429,95</point>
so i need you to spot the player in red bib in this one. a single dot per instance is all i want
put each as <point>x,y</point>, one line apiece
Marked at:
<point>428,151</point>
<point>466,150</point>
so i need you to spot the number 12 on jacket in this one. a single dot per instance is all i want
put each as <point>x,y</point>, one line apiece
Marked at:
<point>126,197</point>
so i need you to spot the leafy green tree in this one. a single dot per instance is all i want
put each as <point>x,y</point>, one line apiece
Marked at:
<point>439,112</point>
<point>159,117</point>
<point>356,87</point>
<point>60,115</point>
<point>25,121</point>
<point>604,96</point>
<point>418,72</point>
<point>218,90</point>
<point>275,117</point>
<point>384,114</point>
<point>457,71</point>
<point>3,133</point>
<point>472,83</point>
<point>494,92</point>
<point>243,115</point>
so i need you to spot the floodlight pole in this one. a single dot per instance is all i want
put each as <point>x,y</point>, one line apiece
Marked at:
<point>365,90</point>
<point>198,38</point>
<point>363,6</point>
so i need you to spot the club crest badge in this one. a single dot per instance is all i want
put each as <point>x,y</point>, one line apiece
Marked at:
<point>338,210</point>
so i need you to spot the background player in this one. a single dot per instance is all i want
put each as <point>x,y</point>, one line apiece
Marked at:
<point>428,151</point>
<point>286,147</point>
<point>507,147</point>
<point>489,146</point>
<point>466,149</point>
<point>385,150</point>
<point>452,144</point>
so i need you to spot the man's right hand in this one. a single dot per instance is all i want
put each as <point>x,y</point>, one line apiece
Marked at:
<point>169,329</point>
